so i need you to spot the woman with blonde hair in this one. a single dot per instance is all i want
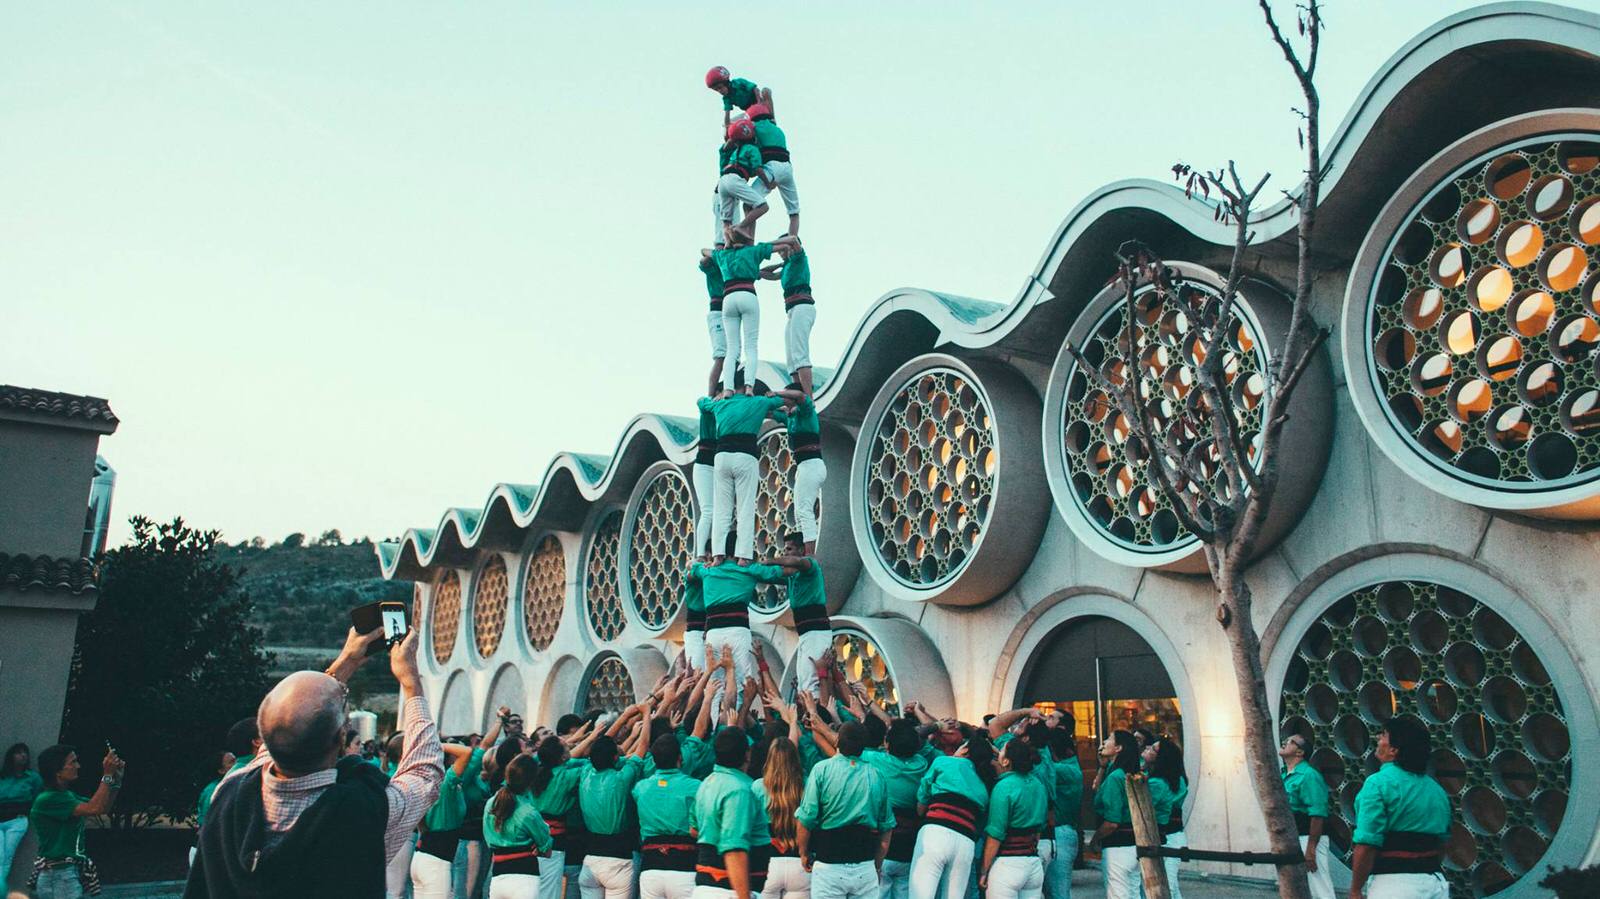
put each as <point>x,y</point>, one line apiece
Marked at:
<point>778,791</point>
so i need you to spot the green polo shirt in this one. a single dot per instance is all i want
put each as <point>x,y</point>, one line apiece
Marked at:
<point>796,275</point>
<point>1307,789</point>
<point>1164,799</point>
<point>761,831</point>
<point>725,810</point>
<point>713,273</point>
<point>206,792</point>
<point>243,760</point>
<point>745,161</point>
<point>1017,803</point>
<point>694,595</point>
<point>953,774</point>
<point>525,827</point>
<point>802,419</point>
<point>560,795</point>
<point>1044,772</point>
<point>806,587</point>
<point>1111,800</point>
<point>1394,800</point>
<point>768,134</point>
<point>741,264</point>
<point>1069,792</point>
<point>450,809</point>
<point>842,791</point>
<point>731,585</point>
<point>28,784</point>
<point>603,795</point>
<point>740,415</point>
<point>900,776</point>
<point>60,833</point>
<point>742,93</point>
<point>665,801</point>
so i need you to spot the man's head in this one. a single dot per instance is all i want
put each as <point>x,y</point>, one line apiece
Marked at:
<point>1405,742</point>
<point>666,751</point>
<point>785,250</point>
<point>717,79</point>
<point>58,766</point>
<point>1037,733</point>
<point>302,723</point>
<point>852,739</point>
<point>902,738</point>
<point>876,730</point>
<point>760,388</point>
<point>1295,748</point>
<point>1062,745</point>
<point>730,747</point>
<point>794,543</point>
<point>568,723</point>
<point>1020,756</point>
<point>243,738</point>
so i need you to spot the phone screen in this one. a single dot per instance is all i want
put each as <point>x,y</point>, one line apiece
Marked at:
<point>394,624</point>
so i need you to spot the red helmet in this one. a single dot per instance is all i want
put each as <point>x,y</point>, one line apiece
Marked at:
<point>741,131</point>
<point>759,110</point>
<point>717,75</point>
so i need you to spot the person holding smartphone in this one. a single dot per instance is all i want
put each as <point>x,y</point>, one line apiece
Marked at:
<point>63,869</point>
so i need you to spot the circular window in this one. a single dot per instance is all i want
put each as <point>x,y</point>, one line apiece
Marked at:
<point>860,659</point>
<point>660,543</point>
<point>774,512</point>
<point>1501,745</point>
<point>1480,323</point>
<point>608,686</point>
<point>446,618</point>
<point>602,599</point>
<point>489,592</point>
<point>544,592</point>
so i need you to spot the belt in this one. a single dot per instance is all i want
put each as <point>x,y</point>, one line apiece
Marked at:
<point>811,618</point>
<point>675,852</point>
<point>845,845</point>
<point>806,446</point>
<point>611,845</point>
<point>706,453</point>
<point>1408,852</point>
<point>903,839</point>
<point>738,443</point>
<point>737,287</point>
<point>728,616</point>
<point>440,844</point>
<point>716,304</point>
<point>1020,842</point>
<point>695,620</point>
<point>954,811</point>
<point>774,154</point>
<point>1122,836</point>
<point>798,299</point>
<point>738,170</point>
<point>517,860</point>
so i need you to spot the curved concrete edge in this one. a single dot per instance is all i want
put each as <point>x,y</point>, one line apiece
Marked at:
<point>672,628</point>
<point>913,661</point>
<point>508,689</point>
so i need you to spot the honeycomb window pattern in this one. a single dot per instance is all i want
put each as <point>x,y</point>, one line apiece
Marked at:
<point>860,659</point>
<point>1109,468</point>
<point>930,477</point>
<point>489,605</point>
<point>1501,746</point>
<point>602,597</point>
<point>610,687</point>
<point>544,592</point>
<point>446,618</point>
<point>774,512</point>
<point>1485,318</point>
<point>661,547</point>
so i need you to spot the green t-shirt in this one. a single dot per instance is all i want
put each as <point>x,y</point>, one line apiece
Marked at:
<point>206,793</point>
<point>900,776</point>
<point>60,832</point>
<point>1069,791</point>
<point>806,587</point>
<point>732,585</point>
<point>1111,800</point>
<point>694,595</point>
<point>725,811</point>
<point>740,415</point>
<point>698,758</point>
<point>810,753</point>
<point>741,264</point>
<point>745,161</point>
<point>708,422</point>
<point>713,273</point>
<point>1017,803</point>
<point>525,827</point>
<point>1395,800</point>
<point>842,791</point>
<point>450,809</point>
<point>796,275</point>
<point>603,795</point>
<point>665,800</point>
<point>243,760</point>
<point>742,93</point>
<point>802,419</point>
<point>22,788</point>
<point>560,795</point>
<point>950,774</point>
<point>768,134</point>
<point>1308,791</point>
<point>1163,799</point>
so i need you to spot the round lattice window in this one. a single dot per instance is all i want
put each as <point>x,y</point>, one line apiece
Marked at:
<point>930,477</point>
<point>660,546</point>
<point>489,594</point>
<point>602,598</point>
<point>544,593</point>
<point>1484,315</point>
<point>861,660</point>
<point>446,617</point>
<point>774,512</point>
<point>608,686</point>
<point>1108,468</point>
<point>1502,749</point>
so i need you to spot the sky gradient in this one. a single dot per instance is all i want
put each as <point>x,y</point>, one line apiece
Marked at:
<point>345,265</point>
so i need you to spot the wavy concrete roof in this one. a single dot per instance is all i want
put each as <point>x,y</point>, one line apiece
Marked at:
<point>1462,73</point>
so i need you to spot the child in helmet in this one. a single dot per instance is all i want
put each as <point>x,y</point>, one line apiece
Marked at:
<point>734,186</point>
<point>776,172</point>
<point>740,92</point>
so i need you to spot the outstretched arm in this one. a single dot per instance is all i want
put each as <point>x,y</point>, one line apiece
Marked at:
<point>1002,722</point>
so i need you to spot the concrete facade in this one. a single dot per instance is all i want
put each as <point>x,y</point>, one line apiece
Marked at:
<point>958,540</point>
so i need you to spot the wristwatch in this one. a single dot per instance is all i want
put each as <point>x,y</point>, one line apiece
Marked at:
<point>110,781</point>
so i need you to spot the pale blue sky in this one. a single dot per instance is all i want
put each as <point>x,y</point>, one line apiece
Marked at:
<point>346,264</point>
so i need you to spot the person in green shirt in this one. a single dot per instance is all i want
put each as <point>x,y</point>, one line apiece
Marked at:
<point>793,274</point>
<point>1163,760</point>
<point>1308,800</point>
<point>808,604</point>
<point>665,802</point>
<point>740,265</point>
<point>740,182</point>
<point>1028,724</point>
<point>740,92</point>
<point>952,798</point>
<point>518,837</point>
<point>244,741</point>
<point>57,817</point>
<point>777,170</point>
<point>719,340</point>
<point>728,588</point>
<point>555,792</point>
<point>725,821</point>
<point>705,452</point>
<point>19,783</point>
<point>603,797</point>
<point>1068,806</point>
<point>799,418</point>
<point>736,470</point>
<point>1402,819</point>
<point>482,777</point>
<point>902,768</point>
<point>1119,862</point>
<point>1019,809</point>
<point>440,828</point>
<point>845,821</point>
<point>221,764</point>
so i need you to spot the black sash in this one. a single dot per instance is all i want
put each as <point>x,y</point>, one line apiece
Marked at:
<point>516,860</point>
<point>706,454</point>
<point>954,811</point>
<point>738,443</point>
<point>1122,836</point>
<point>670,852</point>
<point>1302,824</point>
<point>611,845</point>
<point>1020,842</point>
<point>845,845</point>
<point>1409,852</point>
<point>727,616</point>
<point>774,154</point>
<point>903,839</point>
<point>811,618</point>
<point>440,844</point>
<point>738,287</point>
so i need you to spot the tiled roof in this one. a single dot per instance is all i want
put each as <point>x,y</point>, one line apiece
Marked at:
<point>49,403</point>
<point>22,572</point>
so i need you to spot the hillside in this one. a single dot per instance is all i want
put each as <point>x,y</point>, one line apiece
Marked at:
<point>304,594</point>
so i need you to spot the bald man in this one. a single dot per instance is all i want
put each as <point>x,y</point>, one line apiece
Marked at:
<point>299,820</point>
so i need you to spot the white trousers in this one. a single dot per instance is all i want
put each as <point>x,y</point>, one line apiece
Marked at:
<point>744,663</point>
<point>1321,879</point>
<point>731,189</point>
<point>605,877</point>
<point>515,886</point>
<point>552,868</point>
<point>1172,841</point>
<point>781,174</point>
<point>808,478</point>
<point>810,648</point>
<point>786,879</point>
<point>1407,886</point>
<point>666,884</point>
<point>694,649</point>
<point>851,880</point>
<point>1058,870</point>
<point>741,326</point>
<point>797,336</point>
<point>894,881</point>
<point>397,875</point>
<point>941,863</point>
<point>719,340</point>
<point>1016,877</point>
<point>705,493</point>
<point>708,892</point>
<point>1119,872</point>
<point>430,877</point>
<point>733,506</point>
<point>718,239</point>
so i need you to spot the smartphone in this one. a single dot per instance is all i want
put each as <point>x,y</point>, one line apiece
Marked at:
<point>392,617</point>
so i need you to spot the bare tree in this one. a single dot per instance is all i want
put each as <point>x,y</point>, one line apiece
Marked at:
<point>1220,482</point>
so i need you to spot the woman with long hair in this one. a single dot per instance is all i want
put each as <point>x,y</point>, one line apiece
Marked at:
<point>1163,761</point>
<point>1019,808</point>
<point>19,783</point>
<point>951,798</point>
<point>778,795</point>
<point>514,829</point>
<point>1119,863</point>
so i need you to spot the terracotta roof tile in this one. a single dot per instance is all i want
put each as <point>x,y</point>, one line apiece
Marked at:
<point>22,572</point>
<point>56,405</point>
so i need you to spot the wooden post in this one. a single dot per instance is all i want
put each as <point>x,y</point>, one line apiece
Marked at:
<point>1146,832</point>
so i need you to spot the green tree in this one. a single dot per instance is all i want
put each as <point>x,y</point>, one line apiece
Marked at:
<point>330,537</point>
<point>168,659</point>
<point>295,540</point>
